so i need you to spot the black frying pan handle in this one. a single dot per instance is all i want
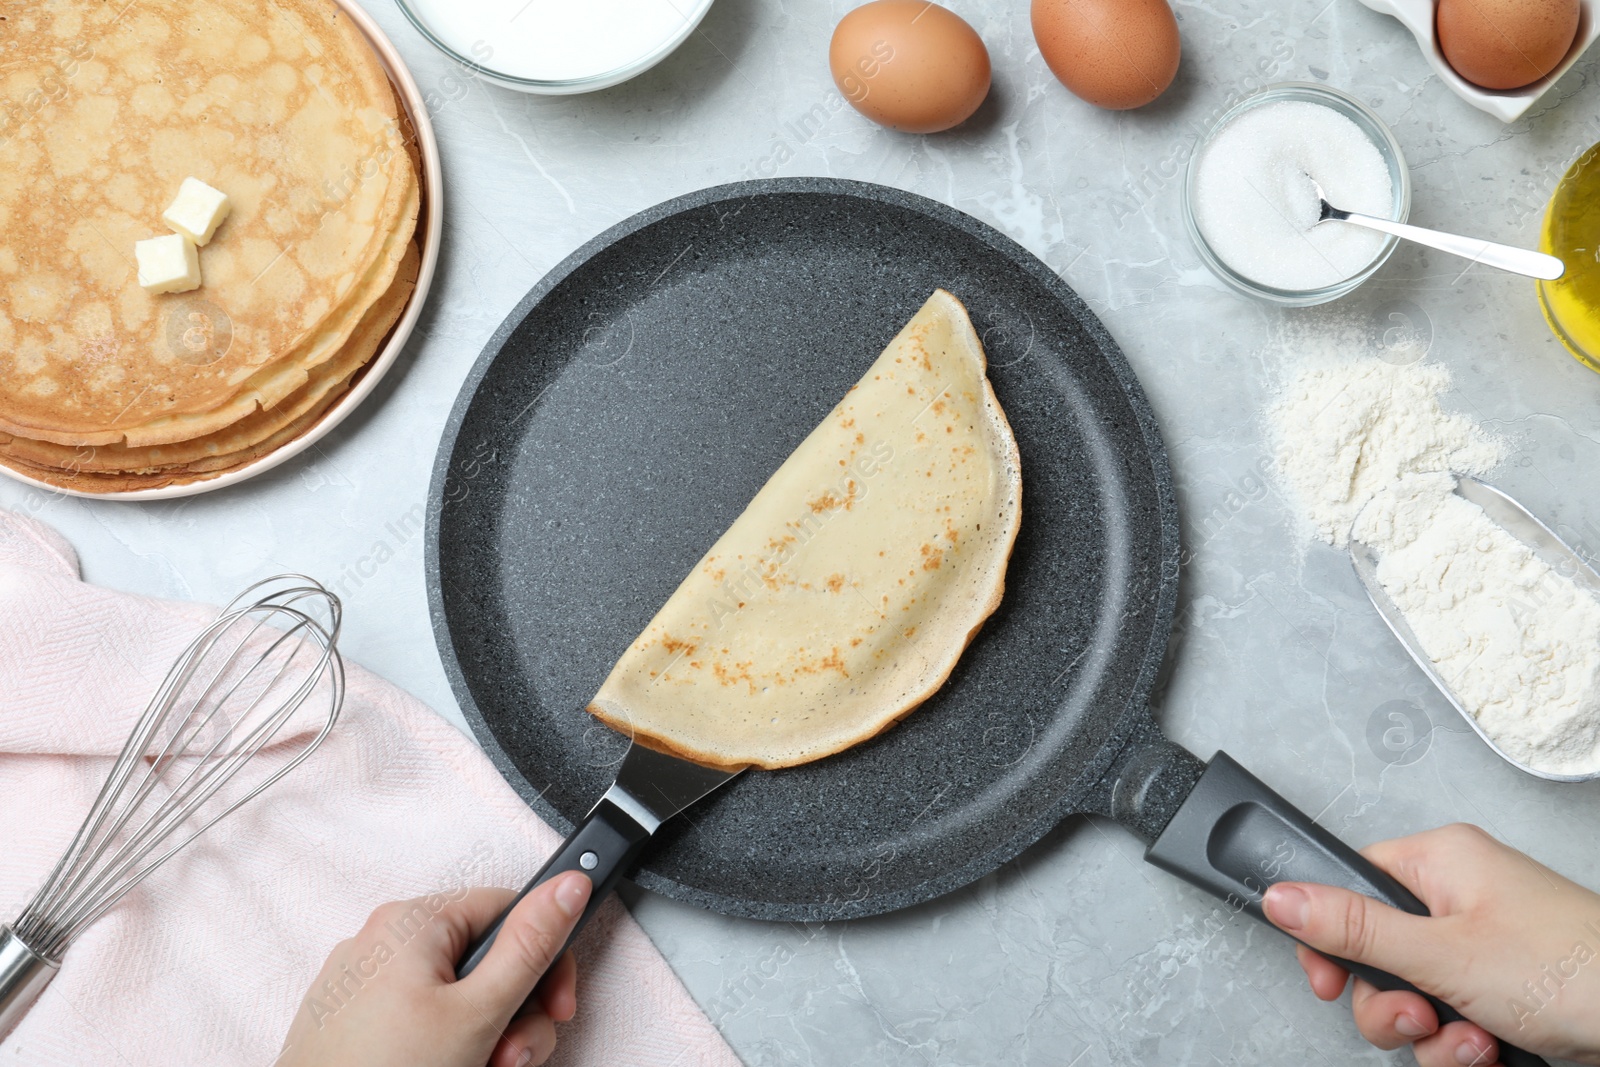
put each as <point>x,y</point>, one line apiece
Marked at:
<point>609,838</point>
<point>1234,837</point>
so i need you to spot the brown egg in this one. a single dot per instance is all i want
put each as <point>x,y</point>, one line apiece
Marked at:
<point>1113,53</point>
<point>909,65</point>
<point>1506,44</point>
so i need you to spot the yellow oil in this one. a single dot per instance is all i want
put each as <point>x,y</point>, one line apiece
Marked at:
<point>1571,233</point>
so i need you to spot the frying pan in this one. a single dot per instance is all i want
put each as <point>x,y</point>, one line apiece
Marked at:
<point>632,404</point>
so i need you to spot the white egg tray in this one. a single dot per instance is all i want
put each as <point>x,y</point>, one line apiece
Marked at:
<point>1507,105</point>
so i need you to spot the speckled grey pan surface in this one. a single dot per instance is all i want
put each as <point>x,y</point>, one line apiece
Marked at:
<point>636,399</point>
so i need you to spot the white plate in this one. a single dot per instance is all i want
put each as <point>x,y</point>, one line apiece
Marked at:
<point>433,208</point>
<point>1507,105</point>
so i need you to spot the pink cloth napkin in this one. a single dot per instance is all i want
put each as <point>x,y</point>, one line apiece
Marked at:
<point>207,961</point>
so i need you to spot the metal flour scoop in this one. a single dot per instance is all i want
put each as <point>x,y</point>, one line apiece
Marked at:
<point>1520,524</point>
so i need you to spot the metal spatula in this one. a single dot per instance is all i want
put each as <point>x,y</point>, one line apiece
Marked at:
<point>1519,523</point>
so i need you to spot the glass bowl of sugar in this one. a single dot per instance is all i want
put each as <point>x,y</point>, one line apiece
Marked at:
<point>1250,200</point>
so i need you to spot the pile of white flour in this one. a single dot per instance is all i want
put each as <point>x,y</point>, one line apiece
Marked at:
<point>1347,429</point>
<point>1518,643</point>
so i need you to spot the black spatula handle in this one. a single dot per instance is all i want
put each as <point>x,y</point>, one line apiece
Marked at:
<point>605,846</point>
<point>1234,837</point>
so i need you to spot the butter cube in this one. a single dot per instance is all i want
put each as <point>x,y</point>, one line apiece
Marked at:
<point>198,210</point>
<point>167,264</point>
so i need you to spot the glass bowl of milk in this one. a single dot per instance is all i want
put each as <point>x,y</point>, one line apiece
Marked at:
<point>555,46</point>
<point>1250,200</point>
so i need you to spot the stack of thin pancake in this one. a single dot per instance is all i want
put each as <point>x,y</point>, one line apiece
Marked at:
<point>104,110</point>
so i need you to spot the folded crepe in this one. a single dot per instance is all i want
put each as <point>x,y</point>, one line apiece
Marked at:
<point>843,595</point>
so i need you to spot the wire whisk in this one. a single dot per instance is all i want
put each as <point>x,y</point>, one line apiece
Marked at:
<point>266,671</point>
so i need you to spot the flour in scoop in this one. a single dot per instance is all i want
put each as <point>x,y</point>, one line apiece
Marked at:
<point>1516,642</point>
<point>555,40</point>
<point>1257,208</point>
<point>1364,448</point>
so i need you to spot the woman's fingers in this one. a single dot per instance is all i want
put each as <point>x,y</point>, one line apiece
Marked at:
<point>558,990</point>
<point>527,946</point>
<point>1457,1045</point>
<point>1416,948</point>
<point>448,923</point>
<point>1326,977</point>
<point>1395,1018</point>
<point>1391,1019</point>
<point>527,1042</point>
<point>1358,928</point>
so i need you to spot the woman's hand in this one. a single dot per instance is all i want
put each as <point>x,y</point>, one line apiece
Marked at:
<point>389,994</point>
<point>1510,944</point>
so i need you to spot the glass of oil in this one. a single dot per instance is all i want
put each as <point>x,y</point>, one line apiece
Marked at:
<point>1571,233</point>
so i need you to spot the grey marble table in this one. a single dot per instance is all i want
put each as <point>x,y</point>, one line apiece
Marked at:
<point>1076,953</point>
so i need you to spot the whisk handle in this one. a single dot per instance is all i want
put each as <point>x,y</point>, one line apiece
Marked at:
<point>605,846</point>
<point>23,975</point>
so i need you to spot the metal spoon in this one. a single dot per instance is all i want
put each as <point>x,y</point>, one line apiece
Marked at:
<point>1516,260</point>
<point>1520,524</point>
